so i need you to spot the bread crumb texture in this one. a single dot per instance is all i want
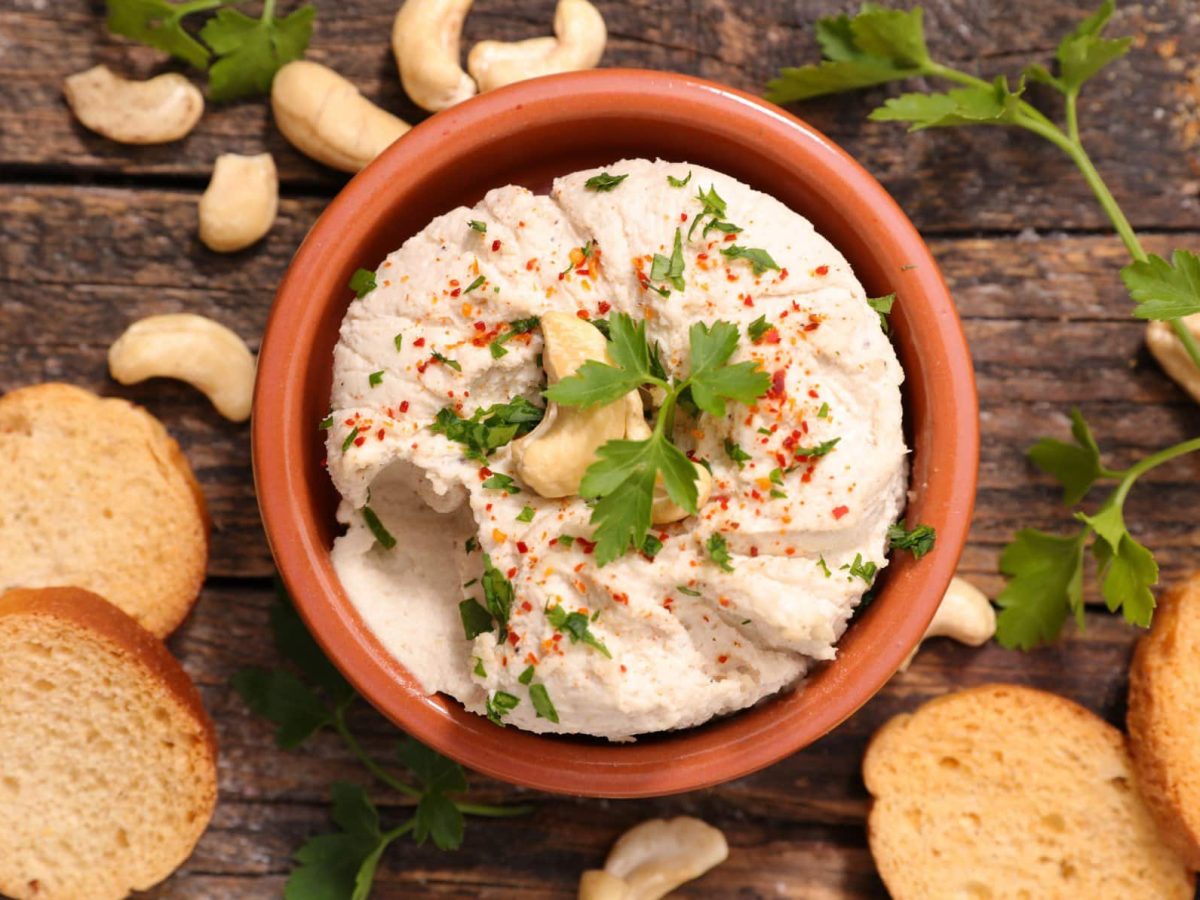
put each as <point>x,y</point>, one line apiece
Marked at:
<point>1164,719</point>
<point>107,759</point>
<point>1003,791</point>
<point>97,495</point>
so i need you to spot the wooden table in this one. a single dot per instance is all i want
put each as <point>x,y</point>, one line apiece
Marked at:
<point>94,235</point>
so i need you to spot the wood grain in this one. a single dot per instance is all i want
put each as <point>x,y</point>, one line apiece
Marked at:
<point>95,235</point>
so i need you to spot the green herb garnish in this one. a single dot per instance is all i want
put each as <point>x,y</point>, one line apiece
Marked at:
<point>398,340</point>
<point>350,439</point>
<point>447,361</point>
<point>541,700</point>
<point>883,306</point>
<point>718,552</point>
<point>501,482</point>
<point>500,704</point>
<point>476,225</point>
<point>684,589</point>
<point>670,269</point>
<point>866,570</point>
<point>526,677</point>
<point>489,428</point>
<point>381,534</point>
<point>760,260</point>
<point>918,542</point>
<point>498,595</point>
<point>651,545</point>
<point>526,514</point>
<point>474,284</point>
<point>375,378</point>
<point>759,328</point>
<point>362,282</point>
<point>603,182</point>
<point>475,619</point>
<point>575,626</point>
<point>517,326</point>
<point>679,182</point>
<point>736,453</point>
<point>326,423</point>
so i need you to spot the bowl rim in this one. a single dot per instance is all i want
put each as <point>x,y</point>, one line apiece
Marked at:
<point>674,761</point>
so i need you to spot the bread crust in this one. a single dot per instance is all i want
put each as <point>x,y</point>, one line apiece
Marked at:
<point>188,563</point>
<point>93,616</point>
<point>1164,719</point>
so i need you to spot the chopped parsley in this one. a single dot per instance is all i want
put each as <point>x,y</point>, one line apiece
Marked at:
<point>777,494</point>
<point>489,427</point>
<point>718,552</point>
<point>575,625</point>
<point>326,423</point>
<point>759,259</point>
<point>475,621</point>
<point>603,182</point>
<point>670,269</point>
<point>759,328</point>
<point>650,546</point>
<point>679,182</point>
<point>566,539</point>
<point>541,701</point>
<point>776,476</point>
<point>517,326</point>
<point>381,534</point>
<point>824,566</point>
<point>362,282</point>
<point>734,451</point>
<point>471,544</point>
<point>445,360</point>
<point>919,541</point>
<point>376,378</point>
<point>474,284</point>
<point>526,514</point>
<point>712,206</point>
<point>823,412</point>
<point>684,589</point>
<point>822,449</point>
<point>498,594</point>
<point>349,439</point>
<point>883,306</point>
<point>499,705</point>
<point>479,669</point>
<point>481,227</point>
<point>860,569</point>
<point>398,340</point>
<point>501,482</point>
<point>526,677</point>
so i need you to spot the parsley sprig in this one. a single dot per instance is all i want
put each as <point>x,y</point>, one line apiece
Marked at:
<point>343,863</point>
<point>622,480</point>
<point>1045,571</point>
<point>489,427</point>
<point>249,51</point>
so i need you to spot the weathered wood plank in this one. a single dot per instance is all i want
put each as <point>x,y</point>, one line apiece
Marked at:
<point>1135,117</point>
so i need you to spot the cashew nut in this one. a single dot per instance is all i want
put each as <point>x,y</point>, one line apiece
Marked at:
<point>1171,355</point>
<point>165,108</point>
<point>663,509</point>
<point>240,203</point>
<point>654,858</point>
<point>204,353</point>
<point>552,458</point>
<point>425,40</point>
<point>578,44</point>
<point>325,116</point>
<point>965,614</point>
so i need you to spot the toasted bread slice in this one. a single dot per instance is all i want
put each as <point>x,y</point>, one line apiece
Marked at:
<point>1004,791</point>
<point>1164,719</point>
<point>97,495</point>
<point>108,770</point>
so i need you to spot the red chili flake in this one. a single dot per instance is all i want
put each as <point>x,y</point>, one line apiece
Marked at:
<point>783,274</point>
<point>522,547</point>
<point>360,440</point>
<point>667,603</point>
<point>531,658</point>
<point>557,637</point>
<point>789,551</point>
<point>480,326</point>
<point>419,342</point>
<point>724,601</point>
<point>403,406</point>
<point>778,385</point>
<point>529,264</point>
<point>512,573</point>
<point>812,326</point>
<point>812,393</point>
<point>623,669</point>
<point>807,476</point>
<point>484,473</point>
<point>604,307</point>
<point>722,659</point>
<point>527,606</point>
<point>583,314</point>
<point>730,237</point>
<point>514,638</point>
<point>753,552</point>
<point>821,270</point>
<point>729,276</point>
<point>422,366</point>
<point>840,511</point>
<point>748,301</point>
<point>772,336</point>
<point>621,598</point>
<point>495,245</point>
<point>379,434</point>
<point>352,419</point>
<point>456,292</point>
<point>701,256</point>
<point>586,545</point>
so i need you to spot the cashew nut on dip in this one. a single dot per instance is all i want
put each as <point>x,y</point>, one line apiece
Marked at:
<point>965,615</point>
<point>164,108</point>
<point>324,116</point>
<point>1171,355</point>
<point>516,354</point>
<point>578,44</point>
<point>191,348</point>
<point>653,858</point>
<point>425,40</point>
<point>240,203</point>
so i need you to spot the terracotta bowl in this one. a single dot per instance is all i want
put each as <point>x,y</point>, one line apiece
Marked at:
<point>527,134</point>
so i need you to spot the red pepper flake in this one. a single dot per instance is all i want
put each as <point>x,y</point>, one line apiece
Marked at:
<point>419,342</point>
<point>623,669</point>
<point>753,552</point>
<point>604,307</point>
<point>583,314</point>
<point>360,440</point>
<point>722,659</point>
<point>813,394</point>
<point>621,598</point>
<point>495,245</point>
<point>683,217</point>
<point>789,551</point>
<point>530,657</point>
<point>840,511</point>
<point>821,270</point>
<point>403,406</point>
<point>529,264</point>
<point>512,573</point>
<point>724,601</point>
<point>484,473</point>
<point>379,434</point>
<point>667,602</point>
<point>748,301</point>
<point>772,336</point>
<point>557,636</point>
<point>778,385</point>
<point>527,606</point>
<point>514,638</point>
<point>456,292</point>
<point>783,274</point>
<point>480,326</point>
<point>522,547</point>
<point>729,276</point>
<point>812,326</point>
<point>586,545</point>
<point>730,237</point>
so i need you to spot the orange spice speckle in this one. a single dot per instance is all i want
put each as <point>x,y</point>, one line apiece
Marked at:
<point>499,536</point>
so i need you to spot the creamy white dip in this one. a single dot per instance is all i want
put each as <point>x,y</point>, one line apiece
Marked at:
<point>688,640</point>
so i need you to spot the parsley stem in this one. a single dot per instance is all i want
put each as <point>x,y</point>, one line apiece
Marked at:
<point>339,723</point>
<point>493,812</point>
<point>268,13</point>
<point>388,836</point>
<point>1140,468</point>
<point>1072,107</point>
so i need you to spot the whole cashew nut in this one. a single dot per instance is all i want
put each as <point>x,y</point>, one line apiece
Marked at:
<point>425,40</point>
<point>552,458</point>
<point>325,116</point>
<point>654,858</point>
<point>1166,347</point>
<point>239,205</point>
<point>663,509</point>
<point>164,108</point>
<point>965,614</point>
<point>578,44</point>
<point>204,353</point>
